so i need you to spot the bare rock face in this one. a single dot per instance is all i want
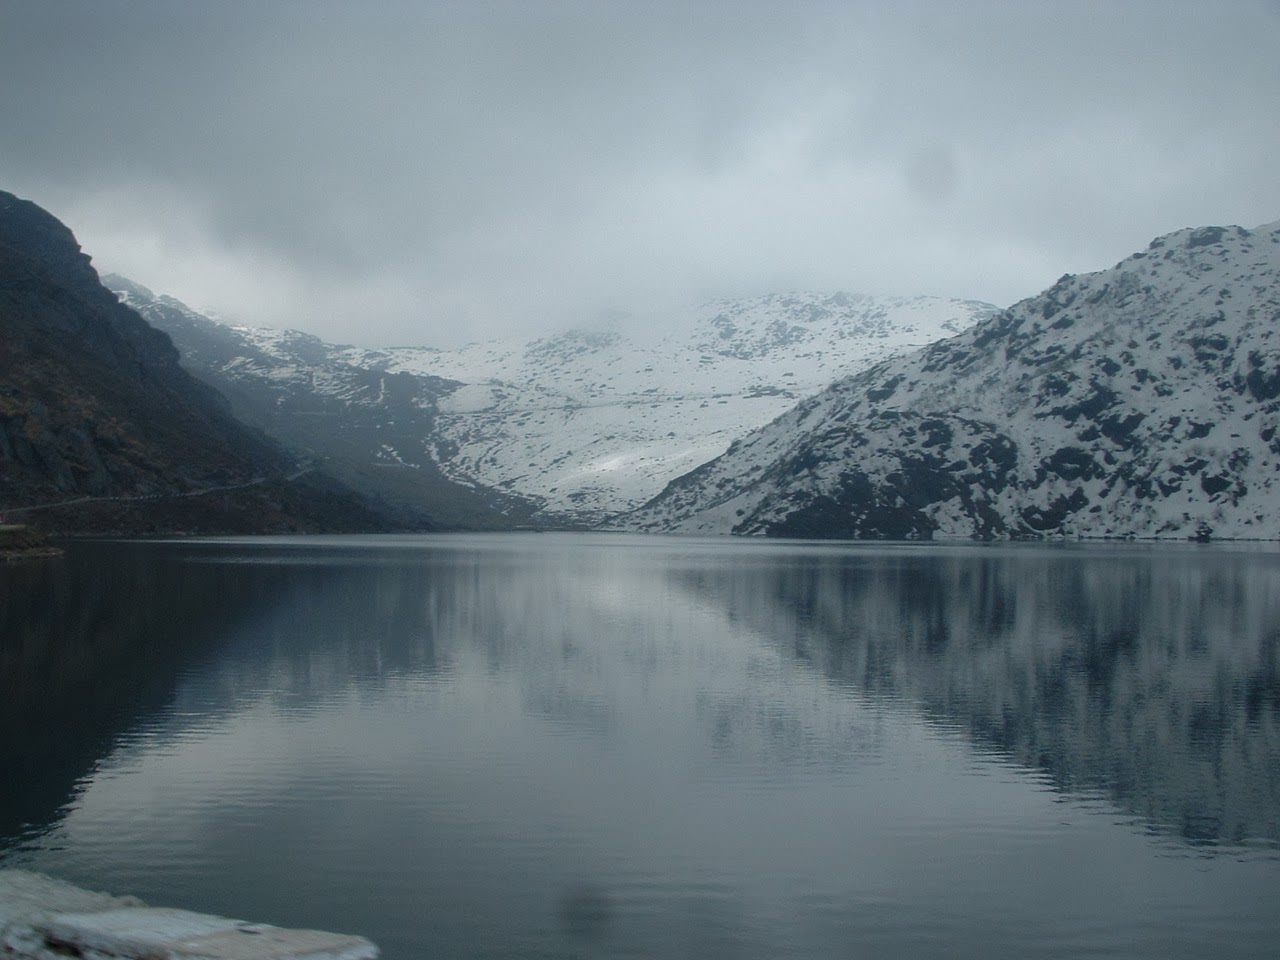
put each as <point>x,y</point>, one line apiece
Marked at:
<point>1140,401</point>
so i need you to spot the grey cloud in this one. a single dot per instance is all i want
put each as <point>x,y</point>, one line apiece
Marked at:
<point>401,171</point>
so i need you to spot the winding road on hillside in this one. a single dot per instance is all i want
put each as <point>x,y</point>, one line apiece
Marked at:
<point>256,481</point>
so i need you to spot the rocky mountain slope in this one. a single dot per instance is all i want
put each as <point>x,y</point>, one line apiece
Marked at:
<point>568,429</point>
<point>97,416</point>
<point>1140,401</point>
<point>354,420</point>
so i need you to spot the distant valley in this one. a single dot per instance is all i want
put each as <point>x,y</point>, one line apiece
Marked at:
<point>559,431</point>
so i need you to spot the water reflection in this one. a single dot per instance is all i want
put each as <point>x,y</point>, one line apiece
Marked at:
<point>1149,675</point>
<point>90,645</point>
<point>613,746</point>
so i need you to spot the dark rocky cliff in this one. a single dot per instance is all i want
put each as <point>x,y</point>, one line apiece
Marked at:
<point>95,408</point>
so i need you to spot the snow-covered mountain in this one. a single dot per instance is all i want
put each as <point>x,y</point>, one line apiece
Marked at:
<point>1139,401</point>
<point>579,426</point>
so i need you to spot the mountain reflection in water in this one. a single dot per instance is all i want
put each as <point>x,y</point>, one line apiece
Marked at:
<point>1150,675</point>
<point>608,745</point>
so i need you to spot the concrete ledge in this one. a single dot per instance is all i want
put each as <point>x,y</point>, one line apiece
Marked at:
<point>46,919</point>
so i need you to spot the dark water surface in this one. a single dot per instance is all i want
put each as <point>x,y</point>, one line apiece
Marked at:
<point>607,746</point>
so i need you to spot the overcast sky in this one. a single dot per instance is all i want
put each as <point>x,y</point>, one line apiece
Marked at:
<point>413,172</point>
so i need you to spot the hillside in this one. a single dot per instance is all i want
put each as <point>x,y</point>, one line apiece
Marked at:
<point>569,429</point>
<point>1139,401</point>
<point>353,420</point>
<point>98,418</point>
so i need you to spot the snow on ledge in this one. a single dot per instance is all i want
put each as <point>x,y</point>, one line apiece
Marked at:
<point>46,919</point>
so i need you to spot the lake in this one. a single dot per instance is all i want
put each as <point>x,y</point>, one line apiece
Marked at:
<point>546,745</point>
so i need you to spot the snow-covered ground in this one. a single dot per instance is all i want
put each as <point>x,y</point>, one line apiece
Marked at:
<point>42,918</point>
<point>593,423</point>
<point>1143,400</point>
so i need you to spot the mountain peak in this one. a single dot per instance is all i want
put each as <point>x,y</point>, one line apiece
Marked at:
<point>37,235</point>
<point>126,289</point>
<point>1142,400</point>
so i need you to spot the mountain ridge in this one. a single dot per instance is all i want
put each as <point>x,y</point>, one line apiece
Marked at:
<point>351,420</point>
<point>575,427</point>
<point>102,430</point>
<point>1138,401</point>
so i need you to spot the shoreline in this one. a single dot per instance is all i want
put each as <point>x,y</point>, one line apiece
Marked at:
<point>20,542</point>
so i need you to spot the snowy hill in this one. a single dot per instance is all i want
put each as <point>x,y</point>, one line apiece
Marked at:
<point>588,424</point>
<point>1141,401</point>
<point>577,427</point>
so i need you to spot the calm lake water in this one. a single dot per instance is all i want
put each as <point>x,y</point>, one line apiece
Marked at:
<point>610,746</point>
